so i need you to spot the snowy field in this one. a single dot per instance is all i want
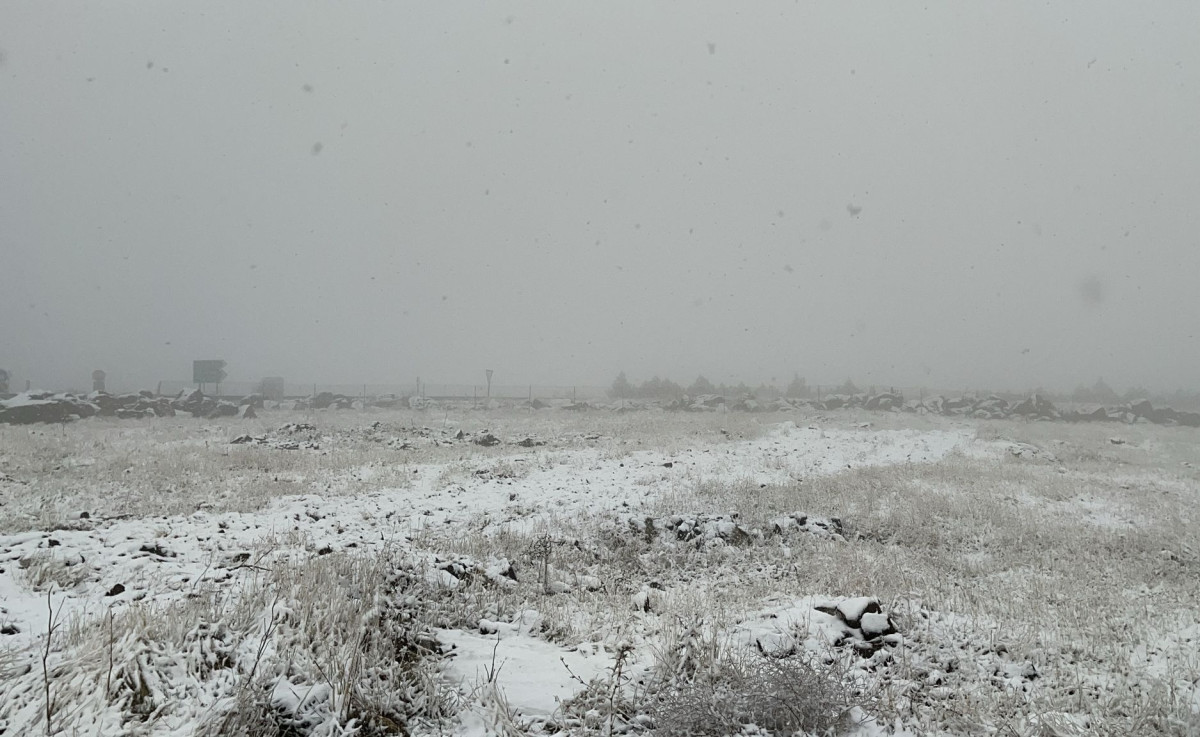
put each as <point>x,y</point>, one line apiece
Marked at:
<point>456,572</point>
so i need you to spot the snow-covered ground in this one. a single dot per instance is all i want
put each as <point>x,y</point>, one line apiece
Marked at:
<point>582,575</point>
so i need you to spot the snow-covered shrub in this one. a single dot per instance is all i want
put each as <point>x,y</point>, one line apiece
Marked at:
<point>782,696</point>
<point>333,645</point>
<point>44,570</point>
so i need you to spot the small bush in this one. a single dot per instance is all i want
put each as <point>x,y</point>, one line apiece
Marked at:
<point>780,695</point>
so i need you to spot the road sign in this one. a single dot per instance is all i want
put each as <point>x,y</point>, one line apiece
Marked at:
<point>208,372</point>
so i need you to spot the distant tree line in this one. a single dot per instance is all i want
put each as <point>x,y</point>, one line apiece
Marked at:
<point>657,388</point>
<point>1100,392</point>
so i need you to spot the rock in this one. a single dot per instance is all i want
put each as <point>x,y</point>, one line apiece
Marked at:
<point>784,525</point>
<point>992,403</point>
<point>884,402</point>
<point>501,571</point>
<point>293,428</point>
<point>486,439</point>
<point>876,625</point>
<point>1031,452</point>
<point>589,583</point>
<point>956,405</point>
<point>156,549</point>
<point>223,409</point>
<point>641,601</point>
<point>1035,406</point>
<point>248,412</point>
<point>733,533</point>
<point>775,644</point>
<point>1188,419</point>
<point>329,400</point>
<point>851,611</point>
<point>196,404</point>
<point>116,590</point>
<point>829,528</point>
<point>29,408</point>
<point>1142,408</point>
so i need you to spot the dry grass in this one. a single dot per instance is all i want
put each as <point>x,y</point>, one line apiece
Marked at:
<point>110,468</point>
<point>336,640</point>
<point>1087,567</point>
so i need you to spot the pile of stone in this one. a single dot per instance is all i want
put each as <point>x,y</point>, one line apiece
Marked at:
<point>829,528</point>
<point>708,530</point>
<point>131,406</point>
<point>329,400</point>
<point>292,436</point>
<point>32,407</point>
<point>276,443</point>
<point>1037,407</point>
<point>198,405</point>
<point>857,623</point>
<point>865,626</point>
<point>990,407</point>
<point>699,403</point>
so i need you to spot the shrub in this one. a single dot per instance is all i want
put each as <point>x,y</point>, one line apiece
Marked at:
<point>780,695</point>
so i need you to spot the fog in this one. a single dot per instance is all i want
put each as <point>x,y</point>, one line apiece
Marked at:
<point>954,196</point>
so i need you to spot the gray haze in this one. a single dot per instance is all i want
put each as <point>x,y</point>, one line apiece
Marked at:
<point>998,195</point>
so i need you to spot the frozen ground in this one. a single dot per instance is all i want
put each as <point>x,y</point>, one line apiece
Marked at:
<point>515,572</point>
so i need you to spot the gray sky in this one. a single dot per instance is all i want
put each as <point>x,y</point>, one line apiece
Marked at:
<point>371,191</point>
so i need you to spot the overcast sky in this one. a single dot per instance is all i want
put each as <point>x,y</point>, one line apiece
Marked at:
<point>953,195</point>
